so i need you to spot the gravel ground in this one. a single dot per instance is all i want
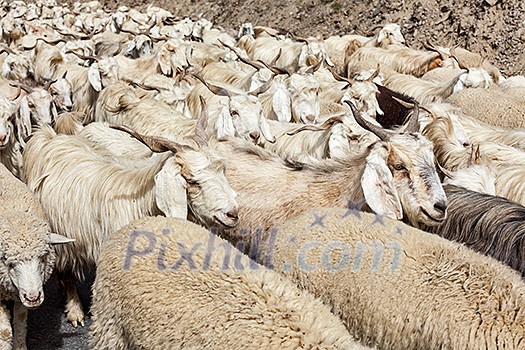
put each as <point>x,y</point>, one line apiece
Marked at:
<point>48,328</point>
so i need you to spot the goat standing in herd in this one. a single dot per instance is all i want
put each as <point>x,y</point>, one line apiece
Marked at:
<point>127,125</point>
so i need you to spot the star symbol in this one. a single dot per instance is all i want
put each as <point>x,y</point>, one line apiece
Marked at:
<point>379,219</point>
<point>292,239</point>
<point>287,267</point>
<point>354,208</point>
<point>318,220</point>
<point>399,231</point>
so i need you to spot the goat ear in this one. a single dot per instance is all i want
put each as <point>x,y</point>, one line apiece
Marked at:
<point>170,191</point>
<point>94,77</point>
<point>23,123</point>
<point>224,124</point>
<point>377,185</point>
<point>338,142</point>
<point>165,62</point>
<point>55,238</point>
<point>281,103</point>
<point>265,129</point>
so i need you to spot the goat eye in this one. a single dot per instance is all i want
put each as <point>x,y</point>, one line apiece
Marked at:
<point>399,167</point>
<point>191,182</point>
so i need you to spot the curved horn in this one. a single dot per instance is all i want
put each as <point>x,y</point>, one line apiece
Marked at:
<point>328,123</point>
<point>375,74</point>
<point>156,144</point>
<point>213,88</point>
<point>313,69</point>
<point>340,78</point>
<point>383,134</point>
<point>6,49</point>
<point>263,88</point>
<point>275,70</point>
<point>22,86</point>
<point>413,122</point>
<point>373,29</point>
<point>49,83</point>
<point>18,91</point>
<point>298,38</point>
<point>82,56</point>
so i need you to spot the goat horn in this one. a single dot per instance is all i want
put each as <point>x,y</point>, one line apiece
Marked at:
<point>413,122</point>
<point>328,123</point>
<point>407,104</point>
<point>82,56</point>
<point>18,91</point>
<point>298,38</point>
<point>49,83</point>
<point>313,69</point>
<point>373,29</point>
<point>263,88</point>
<point>156,144</point>
<point>365,124</point>
<point>276,70</point>
<point>24,87</point>
<point>6,49</point>
<point>213,88</point>
<point>427,45</point>
<point>340,78</point>
<point>445,172</point>
<point>239,56</point>
<point>375,74</point>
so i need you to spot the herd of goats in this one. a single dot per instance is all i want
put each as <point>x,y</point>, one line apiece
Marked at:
<point>257,190</point>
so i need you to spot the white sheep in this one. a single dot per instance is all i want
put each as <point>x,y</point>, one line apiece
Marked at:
<point>170,284</point>
<point>397,287</point>
<point>27,258</point>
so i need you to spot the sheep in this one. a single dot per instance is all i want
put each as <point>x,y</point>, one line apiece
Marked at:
<point>27,258</point>
<point>379,177</point>
<point>428,292</point>
<point>209,303</point>
<point>492,106</point>
<point>491,225</point>
<point>187,177</point>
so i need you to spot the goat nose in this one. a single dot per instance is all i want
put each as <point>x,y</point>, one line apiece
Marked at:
<point>233,215</point>
<point>466,144</point>
<point>2,138</point>
<point>32,297</point>
<point>69,108</point>
<point>441,207</point>
<point>255,135</point>
<point>310,118</point>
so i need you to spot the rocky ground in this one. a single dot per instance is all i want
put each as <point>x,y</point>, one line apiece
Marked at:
<point>494,28</point>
